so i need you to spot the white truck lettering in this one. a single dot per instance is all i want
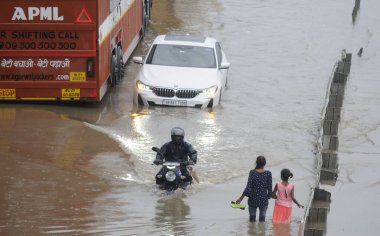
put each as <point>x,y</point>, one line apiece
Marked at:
<point>44,13</point>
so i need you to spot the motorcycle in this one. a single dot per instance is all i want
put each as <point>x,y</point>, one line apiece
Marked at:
<point>171,177</point>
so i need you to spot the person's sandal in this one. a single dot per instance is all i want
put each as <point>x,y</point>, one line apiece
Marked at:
<point>236,205</point>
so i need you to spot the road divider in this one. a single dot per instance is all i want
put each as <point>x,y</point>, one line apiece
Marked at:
<point>314,220</point>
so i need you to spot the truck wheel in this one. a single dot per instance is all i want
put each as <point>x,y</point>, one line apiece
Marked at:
<point>114,70</point>
<point>120,63</point>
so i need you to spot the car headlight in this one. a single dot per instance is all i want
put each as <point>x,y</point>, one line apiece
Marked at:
<point>209,91</point>
<point>170,176</point>
<point>141,86</point>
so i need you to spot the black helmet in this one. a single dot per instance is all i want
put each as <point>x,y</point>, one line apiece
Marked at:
<point>178,135</point>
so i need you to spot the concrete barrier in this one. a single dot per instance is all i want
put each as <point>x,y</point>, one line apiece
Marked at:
<point>344,66</point>
<point>328,177</point>
<point>333,113</point>
<point>330,127</point>
<point>322,195</point>
<point>337,88</point>
<point>340,78</point>
<point>335,100</point>
<point>315,218</point>
<point>355,10</point>
<point>330,142</point>
<point>329,160</point>
<point>314,232</point>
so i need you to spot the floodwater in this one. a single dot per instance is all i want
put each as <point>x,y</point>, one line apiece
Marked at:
<point>86,169</point>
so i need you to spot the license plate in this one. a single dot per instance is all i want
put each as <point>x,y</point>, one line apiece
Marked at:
<point>180,103</point>
<point>77,76</point>
<point>70,93</point>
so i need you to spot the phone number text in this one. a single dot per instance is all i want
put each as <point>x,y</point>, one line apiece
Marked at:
<point>38,45</point>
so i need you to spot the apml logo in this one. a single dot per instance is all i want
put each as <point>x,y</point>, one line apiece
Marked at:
<point>35,13</point>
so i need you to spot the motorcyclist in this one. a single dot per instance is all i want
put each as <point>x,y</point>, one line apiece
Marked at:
<point>176,150</point>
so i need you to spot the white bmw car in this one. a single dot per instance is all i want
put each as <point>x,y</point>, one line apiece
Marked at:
<point>182,70</point>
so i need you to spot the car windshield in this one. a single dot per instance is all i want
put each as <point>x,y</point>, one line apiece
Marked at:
<point>182,55</point>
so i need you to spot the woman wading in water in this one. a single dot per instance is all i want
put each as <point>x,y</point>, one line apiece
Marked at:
<point>258,190</point>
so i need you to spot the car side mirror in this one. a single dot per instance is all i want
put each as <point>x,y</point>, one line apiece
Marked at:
<point>138,60</point>
<point>224,65</point>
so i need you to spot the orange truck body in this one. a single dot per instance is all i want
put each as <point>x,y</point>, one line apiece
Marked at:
<point>66,49</point>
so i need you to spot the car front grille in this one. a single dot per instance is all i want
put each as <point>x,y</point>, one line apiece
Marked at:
<point>187,93</point>
<point>164,92</point>
<point>169,93</point>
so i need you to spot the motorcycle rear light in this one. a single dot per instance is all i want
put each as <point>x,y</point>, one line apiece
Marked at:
<point>90,68</point>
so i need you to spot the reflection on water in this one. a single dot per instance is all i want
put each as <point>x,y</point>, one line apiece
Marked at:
<point>171,215</point>
<point>258,228</point>
<point>281,230</point>
<point>160,22</point>
<point>270,229</point>
<point>209,136</point>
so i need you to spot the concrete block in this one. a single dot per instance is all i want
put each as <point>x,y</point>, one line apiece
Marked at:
<point>347,63</point>
<point>333,113</point>
<point>325,182</point>
<point>321,195</point>
<point>320,204</point>
<point>335,100</point>
<point>315,225</point>
<point>329,161</point>
<point>318,215</point>
<point>330,127</point>
<point>348,58</point>
<point>340,67</point>
<point>322,215</point>
<point>313,215</point>
<point>344,66</point>
<point>347,68</point>
<point>330,142</point>
<point>340,77</point>
<point>313,232</point>
<point>337,88</point>
<point>328,175</point>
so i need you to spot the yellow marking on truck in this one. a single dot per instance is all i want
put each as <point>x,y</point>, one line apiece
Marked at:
<point>69,99</point>
<point>77,76</point>
<point>8,93</point>
<point>70,93</point>
<point>39,99</point>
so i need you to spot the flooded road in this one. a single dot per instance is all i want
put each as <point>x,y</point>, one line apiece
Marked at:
<point>87,169</point>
